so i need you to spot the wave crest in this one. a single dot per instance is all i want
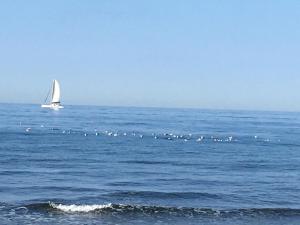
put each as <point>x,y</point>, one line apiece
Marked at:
<point>79,208</point>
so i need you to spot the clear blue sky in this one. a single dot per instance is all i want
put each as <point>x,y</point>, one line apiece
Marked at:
<point>189,53</point>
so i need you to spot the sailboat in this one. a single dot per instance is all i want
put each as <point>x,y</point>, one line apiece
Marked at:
<point>55,101</point>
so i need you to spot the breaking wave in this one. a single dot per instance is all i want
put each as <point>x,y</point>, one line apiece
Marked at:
<point>162,210</point>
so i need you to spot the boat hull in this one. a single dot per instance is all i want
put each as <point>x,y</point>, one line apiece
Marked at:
<point>52,106</point>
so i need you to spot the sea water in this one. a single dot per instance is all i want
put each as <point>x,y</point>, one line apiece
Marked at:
<point>118,165</point>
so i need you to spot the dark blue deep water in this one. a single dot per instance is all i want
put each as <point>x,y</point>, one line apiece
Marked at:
<point>115,165</point>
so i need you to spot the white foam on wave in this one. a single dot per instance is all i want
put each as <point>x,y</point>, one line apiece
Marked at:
<point>79,208</point>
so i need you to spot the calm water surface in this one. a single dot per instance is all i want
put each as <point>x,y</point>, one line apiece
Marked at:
<point>114,165</point>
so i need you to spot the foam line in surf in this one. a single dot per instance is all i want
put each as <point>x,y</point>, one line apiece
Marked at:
<point>79,208</point>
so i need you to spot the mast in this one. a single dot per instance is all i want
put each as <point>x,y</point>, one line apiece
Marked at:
<point>47,96</point>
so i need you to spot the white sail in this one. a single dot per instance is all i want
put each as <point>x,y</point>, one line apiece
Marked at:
<point>55,92</point>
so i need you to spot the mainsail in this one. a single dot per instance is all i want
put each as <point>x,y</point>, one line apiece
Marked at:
<point>55,92</point>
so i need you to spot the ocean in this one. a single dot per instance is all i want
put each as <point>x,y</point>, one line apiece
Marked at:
<point>129,165</point>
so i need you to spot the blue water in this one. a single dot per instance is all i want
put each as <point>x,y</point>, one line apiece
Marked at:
<point>117,165</point>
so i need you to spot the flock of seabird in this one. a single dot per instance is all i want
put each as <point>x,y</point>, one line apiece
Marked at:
<point>164,136</point>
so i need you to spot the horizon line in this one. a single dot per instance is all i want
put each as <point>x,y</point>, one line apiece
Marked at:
<point>167,107</point>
